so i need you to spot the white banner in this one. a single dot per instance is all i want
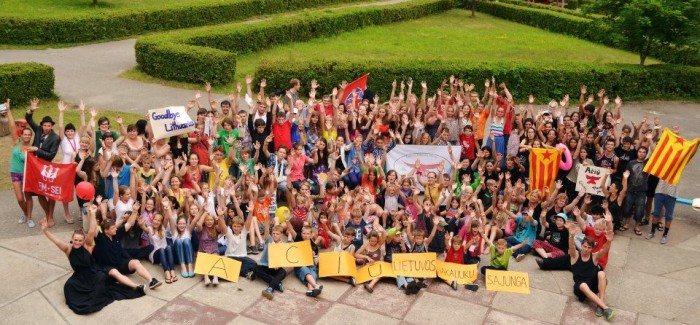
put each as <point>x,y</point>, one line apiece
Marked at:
<point>590,178</point>
<point>402,159</point>
<point>170,121</point>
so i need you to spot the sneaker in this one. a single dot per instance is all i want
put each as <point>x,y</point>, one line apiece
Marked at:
<point>366,286</point>
<point>609,313</point>
<point>154,284</point>
<point>520,257</point>
<point>644,222</point>
<point>352,282</point>
<point>215,282</point>
<point>539,262</point>
<point>649,236</point>
<point>412,288</point>
<point>249,250</point>
<point>454,285</point>
<point>22,220</point>
<point>664,239</point>
<point>599,311</point>
<point>261,247</point>
<point>280,288</point>
<point>141,289</point>
<point>422,285</point>
<point>268,293</point>
<point>311,293</point>
<point>30,223</point>
<point>251,276</point>
<point>472,287</point>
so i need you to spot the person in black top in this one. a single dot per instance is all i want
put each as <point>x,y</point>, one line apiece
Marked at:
<point>589,281</point>
<point>109,253</point>
<point>90,288</point>
<point>46,142</point>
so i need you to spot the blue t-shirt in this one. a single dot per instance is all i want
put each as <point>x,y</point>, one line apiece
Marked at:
<point>359,233</point>
<point>525,230</point>
<point>124,178</point>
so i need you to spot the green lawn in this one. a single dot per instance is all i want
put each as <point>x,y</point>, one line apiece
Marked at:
<point>450,35</point>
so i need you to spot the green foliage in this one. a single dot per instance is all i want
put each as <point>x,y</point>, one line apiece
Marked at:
<point>595,30</point>
<point>545,81</point>
<point>209,53</point>
<point>21,82</point>
<point>90,26</point>
<point>644,25</point>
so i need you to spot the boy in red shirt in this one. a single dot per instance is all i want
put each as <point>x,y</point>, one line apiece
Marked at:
<point>468,143</point>
<point>282,131</point>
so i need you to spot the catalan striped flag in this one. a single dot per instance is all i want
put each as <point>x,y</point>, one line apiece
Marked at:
<point>544,165</point>
<point>670,156</point>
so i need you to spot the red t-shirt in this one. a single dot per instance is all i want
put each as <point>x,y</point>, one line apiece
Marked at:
<point>475,249</point>
<point>201,148</point>
<point>468,146</point>
<point>282,134</point>
<point>455,256</point>
<point>600,241</point>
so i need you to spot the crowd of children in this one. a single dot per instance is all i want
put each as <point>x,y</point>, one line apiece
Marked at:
<point>287,169</point>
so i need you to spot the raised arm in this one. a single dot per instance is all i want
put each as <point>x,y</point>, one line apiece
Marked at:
<point>63,246</point>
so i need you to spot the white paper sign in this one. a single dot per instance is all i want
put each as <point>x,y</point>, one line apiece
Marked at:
<point>402,159</point>
<point>590,178</point>
<point>170,121</point>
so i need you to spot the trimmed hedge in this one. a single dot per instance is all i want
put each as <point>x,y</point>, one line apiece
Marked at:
<point>20,82</point>
<point>543,80</point>
<point>562,21</point>
<point>209,53</point>
<point>105,25</point>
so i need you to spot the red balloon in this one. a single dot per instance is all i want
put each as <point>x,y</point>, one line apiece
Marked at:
<point>85,191</point>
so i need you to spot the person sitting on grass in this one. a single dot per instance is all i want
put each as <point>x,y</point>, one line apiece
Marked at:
<point>590,281</point>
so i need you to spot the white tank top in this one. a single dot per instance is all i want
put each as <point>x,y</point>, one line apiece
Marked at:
<point>68,148</point>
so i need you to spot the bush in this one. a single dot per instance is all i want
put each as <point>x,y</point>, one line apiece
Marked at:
<point>545,81</point>
<point>20,82</point>
<point>88,27</point>
<point>562,21</point>
<point>209,53</point>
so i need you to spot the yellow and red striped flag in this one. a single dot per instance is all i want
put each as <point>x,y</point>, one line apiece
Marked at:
<point>544,165</point>
<point>670,156</point>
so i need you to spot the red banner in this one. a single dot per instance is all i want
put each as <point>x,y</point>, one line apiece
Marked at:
<point>54,181</point>
<point>544,165</point>
<point>358,86</point>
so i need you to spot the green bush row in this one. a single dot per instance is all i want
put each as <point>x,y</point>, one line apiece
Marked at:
<point>20,82</point>
<point>104,26</point>
<point>562,21</point>
<point>545,81</point>
<point>535,5</point>
<point>209,53</point>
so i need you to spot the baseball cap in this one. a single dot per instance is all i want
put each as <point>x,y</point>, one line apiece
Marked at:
<point>562,215</point>
<point>442,222</point>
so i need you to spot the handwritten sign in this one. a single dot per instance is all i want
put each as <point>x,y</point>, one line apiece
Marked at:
<point>415,265</point>
<point>221,266</point>
<point>373,271</point>
<point>290,254</point>
<point>507,281</point>
<point>590,179</point>
<point>463,274</point>
<point>170,121</point>
<point>336,264</point>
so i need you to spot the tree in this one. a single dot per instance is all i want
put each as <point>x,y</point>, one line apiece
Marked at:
<point>646,25</point>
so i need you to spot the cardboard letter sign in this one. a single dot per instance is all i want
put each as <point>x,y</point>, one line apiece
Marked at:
<point>290,254</point>
<point>463,274</point>
<point>373,271</point>
<point>415,265</point>
<point>221,266</point>
<point>508,281</point>
<point>336,264</point>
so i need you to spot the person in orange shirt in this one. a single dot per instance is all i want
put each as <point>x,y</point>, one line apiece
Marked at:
<point>261,213</point>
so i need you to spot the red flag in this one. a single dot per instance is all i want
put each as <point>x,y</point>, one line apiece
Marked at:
<point>54,181</point>
<point>358,86</point>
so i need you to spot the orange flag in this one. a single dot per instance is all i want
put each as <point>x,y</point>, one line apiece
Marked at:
<point>544,165</point>
<point>670,156</point>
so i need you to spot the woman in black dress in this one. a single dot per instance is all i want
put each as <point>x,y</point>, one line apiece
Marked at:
<point>90,288</point>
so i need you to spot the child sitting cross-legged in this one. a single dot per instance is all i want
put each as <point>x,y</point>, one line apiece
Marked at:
<point>419,244</point>
<point>308,275</point>
<point>500,256</point>
<point>236,235</point>
<point>272,276</point>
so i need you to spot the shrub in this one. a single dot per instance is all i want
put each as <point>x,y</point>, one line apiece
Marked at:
<point>542,80</point>
<point>562,21</point>
<point>105,25</point>
<point>21,82</point>
<point>209,53</point>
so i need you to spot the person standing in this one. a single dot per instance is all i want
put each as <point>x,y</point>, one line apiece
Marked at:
<point>47,142</point>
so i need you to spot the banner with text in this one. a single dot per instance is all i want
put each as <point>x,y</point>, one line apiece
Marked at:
<point>294,254</point>
<point>415,265</point>
<point>463,274</point>
<point>590,179</point>
<point>52,180</point>
<point>170,121</point>
<point>336,264</point>
<point>507,281</point>
<point>216,265</point>
<point>403,158</point>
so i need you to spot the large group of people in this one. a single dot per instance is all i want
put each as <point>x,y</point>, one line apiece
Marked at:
<point>277,167</point>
